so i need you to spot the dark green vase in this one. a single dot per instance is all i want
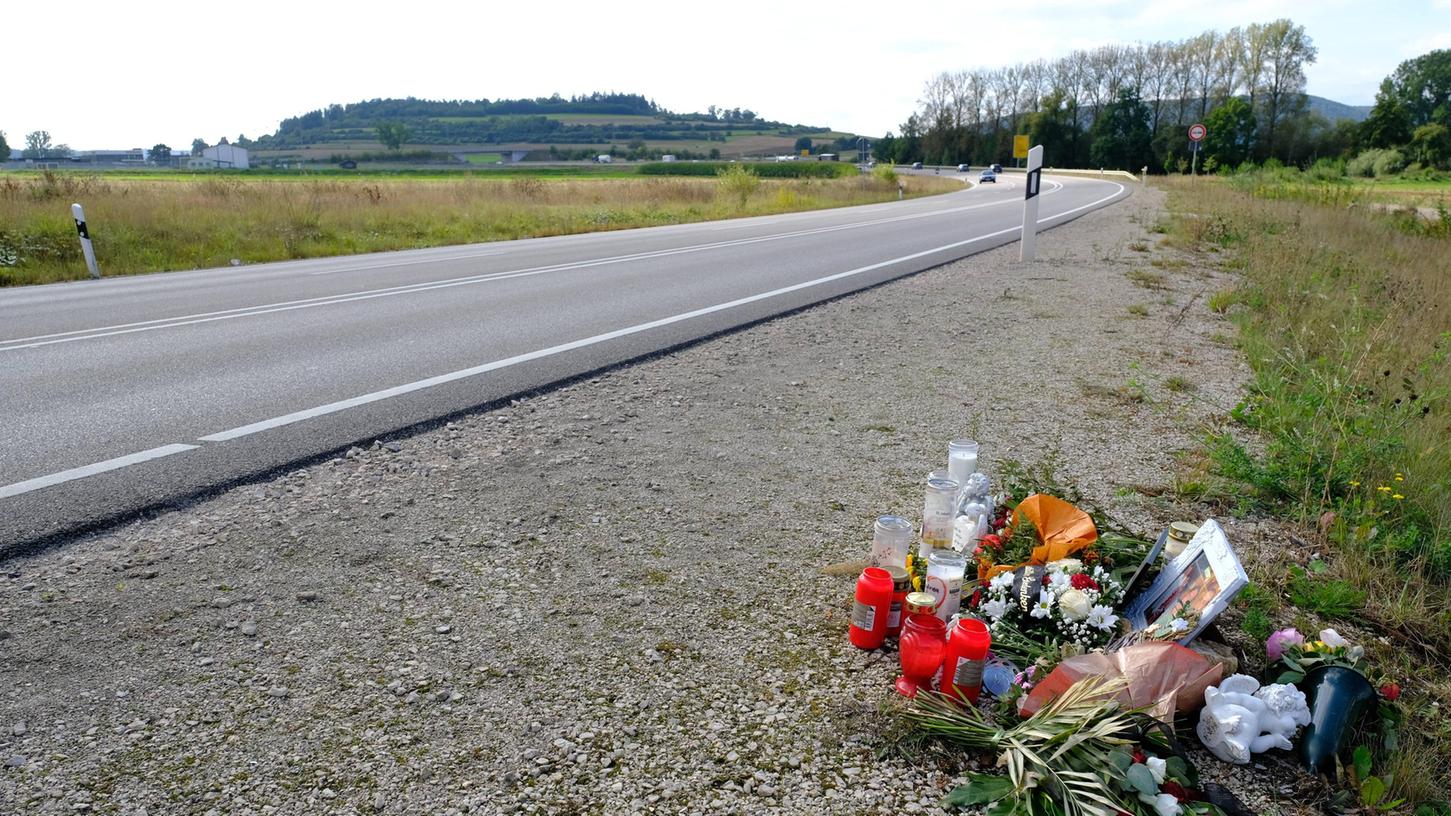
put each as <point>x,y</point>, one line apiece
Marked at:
<point>1337,697</point>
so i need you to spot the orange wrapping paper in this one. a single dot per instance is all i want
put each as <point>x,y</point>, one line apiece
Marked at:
<point>1162,677</point>
<point>1063,529</point>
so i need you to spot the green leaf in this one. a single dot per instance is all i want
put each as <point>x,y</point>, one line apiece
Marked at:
<point>1005,807</point>
<point>1139,778</point>
<point>1175,768</point>
<point>1372,790</point>
<point>1318,566</point>
<point>1290,677</point>
<point>980,789</point>
<point>1361,757</point>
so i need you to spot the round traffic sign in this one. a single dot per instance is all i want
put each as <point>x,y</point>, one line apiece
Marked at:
<point>1197,132</point>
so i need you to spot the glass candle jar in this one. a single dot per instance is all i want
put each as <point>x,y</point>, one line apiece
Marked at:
<point>891,541</point>
<point>869,611</point>
<point>966,658</point>
<point>945,570</point>
<point>937,514</point>
<point>961,459</point>
<point>923,646</point>
<point>901,587</point>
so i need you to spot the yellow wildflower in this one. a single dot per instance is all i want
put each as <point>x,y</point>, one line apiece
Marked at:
<point>1354,484</point>
<point>1383,489</point>
<point>1397,497</point>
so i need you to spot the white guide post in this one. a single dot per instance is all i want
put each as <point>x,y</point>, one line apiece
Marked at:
<point>90,252</point>
<point>1030,204</point>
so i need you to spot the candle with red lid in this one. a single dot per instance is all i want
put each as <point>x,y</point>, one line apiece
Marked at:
<point>967,650</point>
<point>922,645</point>
<point>870,610</point>
<point>901,586</point>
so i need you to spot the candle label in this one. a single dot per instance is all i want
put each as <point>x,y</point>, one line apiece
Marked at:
<point>968,673</point>
<point>863,615</point>
<point>894,615</point>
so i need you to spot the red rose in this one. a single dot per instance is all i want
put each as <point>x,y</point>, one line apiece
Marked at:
<point>1081,581</point>
<point>1178,791</point>
<point>1140,757</point>
<point>1390,691</point>
<point>976,599</point>
<point>994,541</point>
<point>1046,581</point>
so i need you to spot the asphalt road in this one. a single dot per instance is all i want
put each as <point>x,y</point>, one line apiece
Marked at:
<point>125,394</point>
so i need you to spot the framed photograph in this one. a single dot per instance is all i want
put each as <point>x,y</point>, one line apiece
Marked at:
<point>1201,581</point>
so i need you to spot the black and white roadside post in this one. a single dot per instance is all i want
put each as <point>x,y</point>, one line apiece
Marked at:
<point>1030,204</point>
<point>85,234</point>
<point>1197,132</point>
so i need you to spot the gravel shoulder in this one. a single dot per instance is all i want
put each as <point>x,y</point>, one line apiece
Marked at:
<point>615,596</point>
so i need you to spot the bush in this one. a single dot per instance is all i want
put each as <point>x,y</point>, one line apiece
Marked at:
<point>1376,163</point>
<point>737,181</point>
<point>885,173</point>
<point>1326,170</point>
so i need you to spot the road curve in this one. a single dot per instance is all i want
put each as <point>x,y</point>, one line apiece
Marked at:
<point>126,394</point>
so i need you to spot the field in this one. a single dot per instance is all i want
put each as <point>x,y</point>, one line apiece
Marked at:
<point>1342,313</point>
<point>483,158</point>
<point>168,221</point>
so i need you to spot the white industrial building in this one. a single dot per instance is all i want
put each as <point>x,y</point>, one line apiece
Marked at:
<point>228,157</point>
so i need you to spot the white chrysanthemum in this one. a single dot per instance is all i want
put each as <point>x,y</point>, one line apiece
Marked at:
<point>995,608</point>
<point>1059,581</point>
<point>1044,607</point>
<point>1178,625</point>
<point>1102,618</point>
<point>1001,581</point>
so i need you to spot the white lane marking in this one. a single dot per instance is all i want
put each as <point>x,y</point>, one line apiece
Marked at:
<point>90,470</point>
<point>350,268</point>
<point>418,385</point>
<point>328,300</point>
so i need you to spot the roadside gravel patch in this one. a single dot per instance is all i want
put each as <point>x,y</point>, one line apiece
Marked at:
<point>610,597</point>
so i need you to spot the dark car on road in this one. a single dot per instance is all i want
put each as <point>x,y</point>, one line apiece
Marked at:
<point>997,168</point>
<point>916,165</point>
<point>962,168</point>
<point>988,176</point>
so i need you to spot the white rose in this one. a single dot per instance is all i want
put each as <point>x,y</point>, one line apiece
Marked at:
<point>1166,805</point>
<point>1068,565</point>
<point>1332,638</point>
<point>995,608</point>
<point>1157,767</point>
<point>1074,605</point>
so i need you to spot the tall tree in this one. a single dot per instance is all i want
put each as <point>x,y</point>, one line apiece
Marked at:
<point>1423,86</point>
<point>1052,126</point>
<point>37,144</point>
<point>1289,50</point>
<point>197,146</point>
<point>160,154</point>
<point>393,134</point>
<point>1231,134</point>
<point>4,148</point>
<point>1120,137</point>
<point>1389,123</point>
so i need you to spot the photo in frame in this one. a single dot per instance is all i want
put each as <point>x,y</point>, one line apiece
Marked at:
<point>1206,576</point>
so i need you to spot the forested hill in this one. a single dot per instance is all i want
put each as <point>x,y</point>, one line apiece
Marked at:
<point>598,118</point>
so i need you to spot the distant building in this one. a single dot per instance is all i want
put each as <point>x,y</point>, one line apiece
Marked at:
<point>229,157</point>
<point>133,156</point>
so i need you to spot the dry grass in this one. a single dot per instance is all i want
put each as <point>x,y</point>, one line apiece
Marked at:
<point>151,225</point>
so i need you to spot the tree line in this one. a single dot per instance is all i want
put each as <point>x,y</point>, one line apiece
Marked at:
<point>1128,106</point>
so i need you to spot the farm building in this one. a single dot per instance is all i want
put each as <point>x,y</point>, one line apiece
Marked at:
<point>222,156</point>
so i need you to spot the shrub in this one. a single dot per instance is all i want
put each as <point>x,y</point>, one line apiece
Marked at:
<point>1376,163</point>
<point>885,173</point>
<point>1326,170</point>
<point>795,169</point>
<point>737,181</point>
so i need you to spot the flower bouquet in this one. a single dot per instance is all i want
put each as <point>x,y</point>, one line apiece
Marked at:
<point>1061,609</point>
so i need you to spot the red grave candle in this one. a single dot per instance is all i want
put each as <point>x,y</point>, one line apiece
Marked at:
<point>922,646</point>
<point>869,612</point>
<point>966,656</point>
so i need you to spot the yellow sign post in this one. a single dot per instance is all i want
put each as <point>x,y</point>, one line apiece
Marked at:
<point>805,153</point>
<point>1020,146</point>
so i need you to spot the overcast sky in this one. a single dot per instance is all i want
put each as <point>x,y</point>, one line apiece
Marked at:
<point>120,75</point>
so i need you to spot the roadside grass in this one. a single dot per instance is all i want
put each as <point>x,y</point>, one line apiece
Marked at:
<point>1345,318</point>
<point>148,224</point>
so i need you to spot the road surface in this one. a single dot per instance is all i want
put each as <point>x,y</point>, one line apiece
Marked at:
<point>125,394</point>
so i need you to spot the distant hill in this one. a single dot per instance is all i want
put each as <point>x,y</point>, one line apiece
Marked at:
<point>595,120</point>
<point>1333,111</point>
